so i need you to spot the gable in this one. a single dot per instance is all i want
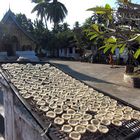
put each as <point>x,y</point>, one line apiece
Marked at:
<point>10,20</point>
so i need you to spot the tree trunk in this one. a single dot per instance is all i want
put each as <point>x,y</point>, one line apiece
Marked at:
<point>46,25</point>
<point>129,69</point>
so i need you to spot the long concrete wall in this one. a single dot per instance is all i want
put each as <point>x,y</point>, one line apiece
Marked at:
<point>27,54</point>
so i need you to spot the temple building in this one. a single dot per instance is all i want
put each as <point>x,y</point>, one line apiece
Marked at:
<point>14,39</point>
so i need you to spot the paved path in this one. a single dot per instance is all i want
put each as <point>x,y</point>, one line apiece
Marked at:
<point>103,77</point>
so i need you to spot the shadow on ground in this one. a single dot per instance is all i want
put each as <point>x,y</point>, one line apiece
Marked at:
<point>81,76</point>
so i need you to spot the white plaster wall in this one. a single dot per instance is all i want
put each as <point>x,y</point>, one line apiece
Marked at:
<point>62,53</point>
<point>28,54</point>
<point>68,54</point>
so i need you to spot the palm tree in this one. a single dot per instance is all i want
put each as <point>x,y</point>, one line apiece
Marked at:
<point>39,1</point>
<point>40,8</point>
<point>65,26</point>
<point>54,11</point>
<point>76,24</point>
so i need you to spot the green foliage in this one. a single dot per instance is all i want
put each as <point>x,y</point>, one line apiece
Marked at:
<point>93,36</point>
<point>64,38</point>
<point>25,23</point>
<point>111,40</point>
<point>106,11</point>
<point>113,49</point>
<point>107,6</point>
<point>61,28</point>
<point>95,27</point>
<point>107,47</point>
<point>88,22</point>
<point>59,37</point>
<point>137,53</point>
<point>115,37</point>
<point>122,48</point>
<point>81,38</point>
<point>93,32</point>
<point>54,11</point>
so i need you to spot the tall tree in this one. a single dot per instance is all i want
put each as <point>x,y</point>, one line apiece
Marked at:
<point>116,36</point>
<point>38,1</point>
<point>39,29</point>
<point>40,8</point>
<point>65,26</point>
<point>54,11</point>
<point>76,24</point>
<point>25,22</point>
<point>61,28</point>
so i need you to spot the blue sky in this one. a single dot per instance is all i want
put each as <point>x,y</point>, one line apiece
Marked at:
<point>76,8</point>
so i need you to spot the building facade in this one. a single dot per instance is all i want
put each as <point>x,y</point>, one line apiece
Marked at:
<point>69,52</point>
<point>15,39</point>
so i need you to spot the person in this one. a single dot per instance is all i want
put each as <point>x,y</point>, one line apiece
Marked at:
<point>111,61</point>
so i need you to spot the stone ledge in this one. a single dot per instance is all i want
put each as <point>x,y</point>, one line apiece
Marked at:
<point>132,81</point>
<point>1,138</point>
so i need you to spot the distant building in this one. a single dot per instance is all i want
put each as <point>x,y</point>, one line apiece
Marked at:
<point>69,52</point>
<point>17,41</point>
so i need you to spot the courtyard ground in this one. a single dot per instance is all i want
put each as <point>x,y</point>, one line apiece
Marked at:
<point>102,77</point>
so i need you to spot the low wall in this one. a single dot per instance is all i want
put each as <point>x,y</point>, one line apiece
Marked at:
<point>3,55</point>
<point>27,54</point>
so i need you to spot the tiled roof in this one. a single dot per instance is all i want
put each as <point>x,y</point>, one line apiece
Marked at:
<point>12,15</point>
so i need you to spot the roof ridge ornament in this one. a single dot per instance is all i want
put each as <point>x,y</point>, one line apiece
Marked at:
<point>9,7</point>
<point>9,10</point>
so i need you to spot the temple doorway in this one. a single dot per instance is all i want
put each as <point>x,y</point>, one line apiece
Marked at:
<point>11,46</point>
